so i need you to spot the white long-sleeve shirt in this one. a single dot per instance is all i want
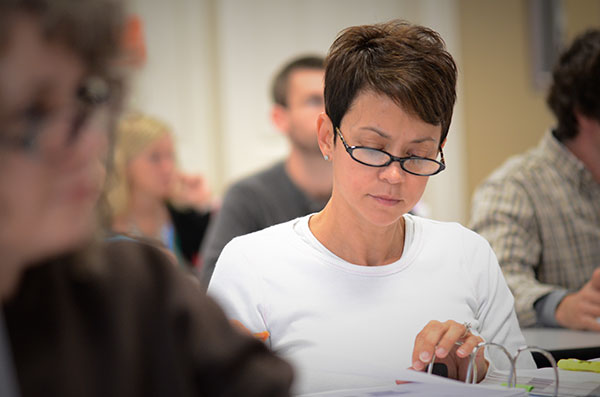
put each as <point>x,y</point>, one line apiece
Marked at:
<point>348,326</point>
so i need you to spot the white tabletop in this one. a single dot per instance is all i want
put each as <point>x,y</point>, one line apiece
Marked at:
<point>561,339</point>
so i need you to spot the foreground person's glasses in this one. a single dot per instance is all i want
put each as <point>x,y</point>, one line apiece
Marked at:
<point>421,166</point>
<point>39,131</point>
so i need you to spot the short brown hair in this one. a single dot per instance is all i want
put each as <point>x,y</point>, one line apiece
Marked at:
<point>279,88</point>
<point>576,84</point>
<point>407,63</point>
<point>92,29</point>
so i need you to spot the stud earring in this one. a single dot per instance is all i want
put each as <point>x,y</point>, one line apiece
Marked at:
<point>326,157</point>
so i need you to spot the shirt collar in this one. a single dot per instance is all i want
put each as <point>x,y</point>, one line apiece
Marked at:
<point>565,162</point>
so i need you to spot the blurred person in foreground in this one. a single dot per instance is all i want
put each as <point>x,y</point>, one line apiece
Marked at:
<point>540,211</point>
<point>80,317</point>
<point>296,186</point>
<point>148,196</point>
<point>355,293</point>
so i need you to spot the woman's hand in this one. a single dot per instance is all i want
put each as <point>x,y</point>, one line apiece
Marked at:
<point>441,339</point>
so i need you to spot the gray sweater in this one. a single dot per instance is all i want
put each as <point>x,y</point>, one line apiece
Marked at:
<point>254,203</point>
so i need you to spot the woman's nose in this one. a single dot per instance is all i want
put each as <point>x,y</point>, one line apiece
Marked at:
<point>393,173</point>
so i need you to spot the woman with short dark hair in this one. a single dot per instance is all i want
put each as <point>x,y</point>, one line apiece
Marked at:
<point>362,289</point>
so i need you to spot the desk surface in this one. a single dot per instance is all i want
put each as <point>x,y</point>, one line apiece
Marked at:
<point>561,339</point>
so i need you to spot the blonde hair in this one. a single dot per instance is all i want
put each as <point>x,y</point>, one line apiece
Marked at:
<point>135,132</point>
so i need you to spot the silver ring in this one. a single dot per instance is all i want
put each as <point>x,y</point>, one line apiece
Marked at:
<point>467,330</point>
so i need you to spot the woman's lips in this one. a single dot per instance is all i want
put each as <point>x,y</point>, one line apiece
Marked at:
<point>385,200</point>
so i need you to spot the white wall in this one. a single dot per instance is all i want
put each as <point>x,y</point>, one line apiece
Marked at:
<point>177,82</point>
<point>210,64</point>
<point>446,193</point>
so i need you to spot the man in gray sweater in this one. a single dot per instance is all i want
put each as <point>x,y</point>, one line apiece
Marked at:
<point>296,186</point>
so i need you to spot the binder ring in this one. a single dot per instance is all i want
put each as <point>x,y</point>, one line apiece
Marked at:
<point>512,376</point>
<point>467,330</point>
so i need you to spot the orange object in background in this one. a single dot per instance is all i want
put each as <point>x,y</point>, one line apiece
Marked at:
<point>262,336</point>
<point>134,44</point>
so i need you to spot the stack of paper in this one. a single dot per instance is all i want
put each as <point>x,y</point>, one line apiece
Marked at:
<point>571,383</point>
<point>422,384</point>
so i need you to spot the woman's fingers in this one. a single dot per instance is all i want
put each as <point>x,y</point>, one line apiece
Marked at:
<point>444,339</point>
<point>425,343</point>
<point>468,345</point>
<point>454,333</point>
<point>480,363</point>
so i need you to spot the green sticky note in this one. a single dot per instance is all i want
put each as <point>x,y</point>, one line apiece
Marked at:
<point>527,388</point>
<point>573,364</point>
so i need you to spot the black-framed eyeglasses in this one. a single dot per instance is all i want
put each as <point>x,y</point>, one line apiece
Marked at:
<point>92,97</point>
<point>416,165</point>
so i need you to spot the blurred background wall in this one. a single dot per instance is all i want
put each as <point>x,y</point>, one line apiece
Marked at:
<point>209,65</point>
<point>505,108</point>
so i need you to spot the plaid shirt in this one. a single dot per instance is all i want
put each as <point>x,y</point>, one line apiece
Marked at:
<point>540,212</point>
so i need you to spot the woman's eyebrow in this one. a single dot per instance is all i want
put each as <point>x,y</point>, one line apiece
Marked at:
<point>424,139</point>
<point>385,135</point>
<point>377,131</point>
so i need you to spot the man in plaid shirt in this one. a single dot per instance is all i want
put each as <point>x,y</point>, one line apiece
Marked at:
<point>540,211</point>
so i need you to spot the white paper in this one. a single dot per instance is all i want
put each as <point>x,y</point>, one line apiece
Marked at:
<point>422,384</point>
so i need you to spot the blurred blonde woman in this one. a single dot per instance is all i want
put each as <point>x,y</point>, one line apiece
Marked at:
<point>149,197</point>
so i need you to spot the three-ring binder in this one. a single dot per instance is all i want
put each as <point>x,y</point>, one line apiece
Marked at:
<point>512,376</point>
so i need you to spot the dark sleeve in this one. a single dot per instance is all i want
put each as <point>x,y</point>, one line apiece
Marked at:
<point>238,215</point>
<point>188,335</point>
<point>545,308</point>
<point>225,362</point>
<point>125,321</point>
